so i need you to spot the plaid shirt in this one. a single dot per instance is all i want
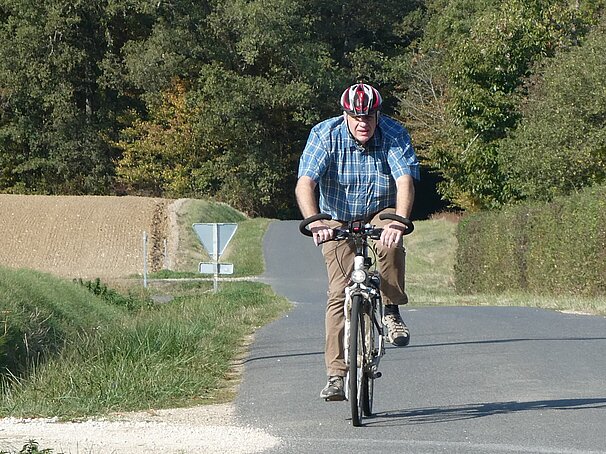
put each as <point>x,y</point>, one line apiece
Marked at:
<point>355,181</point>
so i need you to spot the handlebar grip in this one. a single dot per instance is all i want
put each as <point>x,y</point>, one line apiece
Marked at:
<point>316,217</point>
<point>394,217</point>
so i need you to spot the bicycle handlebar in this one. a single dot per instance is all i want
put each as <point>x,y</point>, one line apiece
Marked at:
<point>394,217</point>
<point>344,233</point>
<point>316,217</point>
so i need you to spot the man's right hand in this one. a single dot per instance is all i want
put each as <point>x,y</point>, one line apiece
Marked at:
<point>321,232</point>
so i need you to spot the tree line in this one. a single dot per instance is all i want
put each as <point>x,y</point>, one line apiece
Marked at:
<point>505,99</point>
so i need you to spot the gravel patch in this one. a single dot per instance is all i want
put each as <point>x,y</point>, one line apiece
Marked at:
<point>211,428</point>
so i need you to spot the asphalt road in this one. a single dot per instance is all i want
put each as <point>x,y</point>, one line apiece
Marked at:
<point>473,379</point>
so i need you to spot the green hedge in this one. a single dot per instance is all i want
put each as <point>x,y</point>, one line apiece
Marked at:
<point>557,247</point>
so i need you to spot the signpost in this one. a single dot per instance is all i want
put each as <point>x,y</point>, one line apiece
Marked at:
<point>215,238</point>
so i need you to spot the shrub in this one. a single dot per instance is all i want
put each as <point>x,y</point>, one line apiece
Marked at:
<point>557,247</point>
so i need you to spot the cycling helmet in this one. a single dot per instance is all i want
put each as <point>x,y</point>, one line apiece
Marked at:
<point>361,99</point>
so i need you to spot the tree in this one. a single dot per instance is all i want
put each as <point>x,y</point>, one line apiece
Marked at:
<point>252,92</point>
<point>560,145</point>
<point>58,105</point>
<point>158,154</point>
<point>486,66</point>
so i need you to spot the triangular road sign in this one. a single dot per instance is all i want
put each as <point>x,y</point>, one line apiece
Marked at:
<point>215,237</point>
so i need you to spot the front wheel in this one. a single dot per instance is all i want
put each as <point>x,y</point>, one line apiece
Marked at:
<point>357,377</point>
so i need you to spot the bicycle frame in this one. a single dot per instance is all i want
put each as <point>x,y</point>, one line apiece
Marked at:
<point>376,309</point>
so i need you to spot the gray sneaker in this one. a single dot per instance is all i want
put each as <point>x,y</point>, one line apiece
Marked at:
<point>397,331</point>
<point>333,389</point>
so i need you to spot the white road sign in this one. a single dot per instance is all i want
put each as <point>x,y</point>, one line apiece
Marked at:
<point>215,237</point>
<point>216,268</point>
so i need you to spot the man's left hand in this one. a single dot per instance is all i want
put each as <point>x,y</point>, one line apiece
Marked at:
<point>392,234</point>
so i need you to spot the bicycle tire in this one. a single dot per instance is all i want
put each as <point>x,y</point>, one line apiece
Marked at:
<point>356,361</point>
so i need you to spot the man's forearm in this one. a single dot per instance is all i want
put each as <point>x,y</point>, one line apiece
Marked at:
<point>306,197</point>
<point>406,195</point>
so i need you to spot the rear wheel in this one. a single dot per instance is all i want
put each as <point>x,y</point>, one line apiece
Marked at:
<point>368,389</point>
<point>358,392</point>
<point>371,333</point>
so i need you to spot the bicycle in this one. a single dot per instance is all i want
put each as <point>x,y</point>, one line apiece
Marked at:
<point>363,339</point>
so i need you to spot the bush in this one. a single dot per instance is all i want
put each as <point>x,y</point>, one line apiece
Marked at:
<point>557,247</point>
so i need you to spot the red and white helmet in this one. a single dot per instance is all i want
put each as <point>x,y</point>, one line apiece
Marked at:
<point>361,99</point>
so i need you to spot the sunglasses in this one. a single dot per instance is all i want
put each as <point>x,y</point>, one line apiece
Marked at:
<point>364,118</point>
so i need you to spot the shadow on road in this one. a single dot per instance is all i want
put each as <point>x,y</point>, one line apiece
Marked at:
<point>292,355</point>
<point>431,415</point>
<point>504,341</point>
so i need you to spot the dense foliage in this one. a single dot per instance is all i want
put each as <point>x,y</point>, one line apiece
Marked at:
<point>561,145</point>
<point>216,98</point>
<point>478,73</point>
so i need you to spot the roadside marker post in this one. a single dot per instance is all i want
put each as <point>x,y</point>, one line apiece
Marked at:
<point>215,238</point>
<point>145,259</point>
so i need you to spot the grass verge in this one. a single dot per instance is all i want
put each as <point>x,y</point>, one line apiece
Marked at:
<point>150,355</point>
<point>159,356</point>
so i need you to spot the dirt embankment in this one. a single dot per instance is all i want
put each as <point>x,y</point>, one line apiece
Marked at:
<point>85,236</point>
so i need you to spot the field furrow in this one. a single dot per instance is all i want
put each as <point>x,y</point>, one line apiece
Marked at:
<point>82,237</point>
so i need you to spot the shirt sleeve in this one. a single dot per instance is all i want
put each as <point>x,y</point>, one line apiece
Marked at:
<point>313,161</point>
<point>402,158</point>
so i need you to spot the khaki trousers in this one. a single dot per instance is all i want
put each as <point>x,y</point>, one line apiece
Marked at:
<point>339,263</point>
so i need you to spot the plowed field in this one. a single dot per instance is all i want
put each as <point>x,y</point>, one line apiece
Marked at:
<point>83,237</point>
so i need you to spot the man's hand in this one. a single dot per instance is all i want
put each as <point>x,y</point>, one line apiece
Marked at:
<point>392,234</point>
<point>321,232</point>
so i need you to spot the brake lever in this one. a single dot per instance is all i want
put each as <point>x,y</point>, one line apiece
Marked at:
<point>340,234</point>
<point>375,234</point>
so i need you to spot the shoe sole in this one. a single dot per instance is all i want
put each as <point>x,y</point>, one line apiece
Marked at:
<point>337,398</point>
<point>400,341</point>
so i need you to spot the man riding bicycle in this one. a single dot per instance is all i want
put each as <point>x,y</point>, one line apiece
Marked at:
<point>364,165</point>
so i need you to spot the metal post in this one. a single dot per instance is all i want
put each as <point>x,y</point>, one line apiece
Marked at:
<point>216,256</point>
<point>145,259</point>
<point>165,266</point>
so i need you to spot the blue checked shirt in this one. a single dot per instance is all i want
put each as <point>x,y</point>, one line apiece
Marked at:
<point>357,181</point>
